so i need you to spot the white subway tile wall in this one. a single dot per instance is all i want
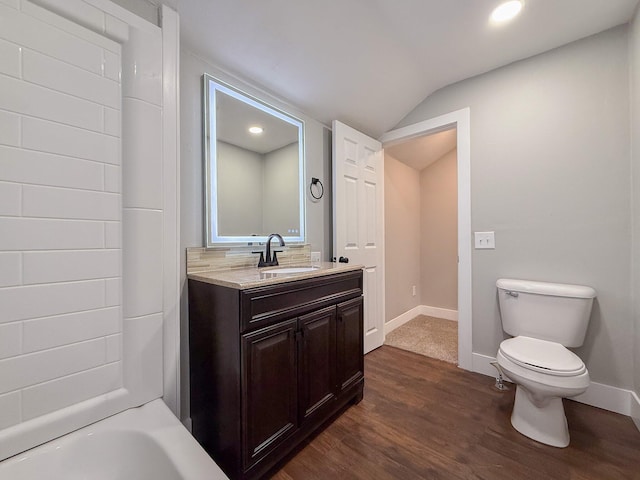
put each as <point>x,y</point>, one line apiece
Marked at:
<point>68,390</point>
<point>60,209</point>
<point>49,234</point>
<point>10,406</point>
<point>49,332</point>
<point>69,266</point>
<point>36,101</point>
<point>62,77</point>
<point>114,348</point>
<point>11,3</point>
<point>90,15</point>
<point>10,269</point>
<point>41,168</point>
<point>9,128</point>
<point>69,141</point>
<point>32,368</point>
<point>112,176</point>
<point>42,37</point>
<point>32,301</point>
<point>10,339</point>
<point>9,59</point>
<point>112,122</point>
<point>10,199</point>
<point>112,235</point>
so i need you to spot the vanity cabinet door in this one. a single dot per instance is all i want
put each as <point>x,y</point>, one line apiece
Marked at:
<point>350,347</point>
<point>317,360</point>
<point>269,389</point>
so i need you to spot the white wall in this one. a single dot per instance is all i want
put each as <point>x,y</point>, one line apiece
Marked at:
<point>550,175</point>
<point>439,233</point>
<point>634,58</point>
<point>401,237</point>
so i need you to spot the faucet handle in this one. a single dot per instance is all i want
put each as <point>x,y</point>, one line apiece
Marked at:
<point>274,259</point>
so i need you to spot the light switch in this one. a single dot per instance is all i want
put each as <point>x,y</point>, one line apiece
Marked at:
<point>485,240</point>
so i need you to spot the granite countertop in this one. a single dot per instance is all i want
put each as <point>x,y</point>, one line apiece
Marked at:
<point>243,278</point>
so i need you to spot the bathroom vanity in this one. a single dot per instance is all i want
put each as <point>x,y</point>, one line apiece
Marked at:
<point>273,358</point>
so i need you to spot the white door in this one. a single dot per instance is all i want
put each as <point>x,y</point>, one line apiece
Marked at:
<point>358,219</point>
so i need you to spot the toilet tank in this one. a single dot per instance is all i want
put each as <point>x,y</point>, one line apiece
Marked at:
<point>555,312</point>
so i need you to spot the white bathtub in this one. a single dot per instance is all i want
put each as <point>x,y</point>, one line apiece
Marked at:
<point>145,443</point>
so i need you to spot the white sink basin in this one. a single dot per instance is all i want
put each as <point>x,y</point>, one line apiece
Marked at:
<point>289,270</point>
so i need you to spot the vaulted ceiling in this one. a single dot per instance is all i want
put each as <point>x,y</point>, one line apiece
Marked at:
<point>368,63</point>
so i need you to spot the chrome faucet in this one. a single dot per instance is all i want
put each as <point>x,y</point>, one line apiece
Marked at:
<point>267,260</point>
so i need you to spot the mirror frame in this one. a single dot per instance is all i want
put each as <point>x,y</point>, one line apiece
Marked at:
<point>212,235</point>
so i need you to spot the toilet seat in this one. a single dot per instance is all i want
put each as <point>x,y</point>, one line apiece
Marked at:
<point>542,356</point>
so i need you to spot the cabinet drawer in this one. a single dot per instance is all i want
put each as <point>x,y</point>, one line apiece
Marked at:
<point>265,305</point>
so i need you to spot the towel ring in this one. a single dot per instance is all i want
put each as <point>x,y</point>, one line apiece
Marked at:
<point>316,181</point>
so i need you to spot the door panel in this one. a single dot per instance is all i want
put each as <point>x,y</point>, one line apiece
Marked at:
<point>359,218</point>
<point>269,389</point>
<point>351,215</point>
<point>317,360</point>
<point>350,340</point>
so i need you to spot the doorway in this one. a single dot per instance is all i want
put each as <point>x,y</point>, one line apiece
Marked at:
<point>421,245</point>
<point>460,121</point>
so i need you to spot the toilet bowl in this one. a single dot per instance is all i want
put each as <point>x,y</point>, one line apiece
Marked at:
<point>544,373</point>
<point>543,319</point>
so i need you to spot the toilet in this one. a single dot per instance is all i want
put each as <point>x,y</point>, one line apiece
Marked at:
<point>543,319</point>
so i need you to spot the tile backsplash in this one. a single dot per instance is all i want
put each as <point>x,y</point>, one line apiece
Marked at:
<point>223,258</point>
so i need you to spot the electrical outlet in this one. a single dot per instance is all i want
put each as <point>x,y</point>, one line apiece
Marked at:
<point>413,290</point>
<point>315,257</point>
<point>485,240</point>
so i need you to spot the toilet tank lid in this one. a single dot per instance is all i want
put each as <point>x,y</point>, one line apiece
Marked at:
<point>546,288</point>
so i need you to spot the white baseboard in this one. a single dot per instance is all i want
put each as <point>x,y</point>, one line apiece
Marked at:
<point>599,395</point>
<point>437,312</point>
<point>482,364</point>
<point>607,397</point>
<point>635,409</point>
<point>400,320</point>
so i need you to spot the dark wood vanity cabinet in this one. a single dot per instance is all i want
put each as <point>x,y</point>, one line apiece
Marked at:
<point>271,365</point>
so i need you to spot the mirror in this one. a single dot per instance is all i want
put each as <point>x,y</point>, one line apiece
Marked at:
<point>254,162</point>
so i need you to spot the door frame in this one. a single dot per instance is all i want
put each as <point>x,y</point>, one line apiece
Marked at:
<point>461,120</point>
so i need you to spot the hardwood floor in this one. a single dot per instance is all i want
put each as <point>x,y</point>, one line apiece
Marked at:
<point>425,419</point>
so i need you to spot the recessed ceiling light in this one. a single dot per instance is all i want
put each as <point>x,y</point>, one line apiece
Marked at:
<point>256,130</point>
<point>506,11</point>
